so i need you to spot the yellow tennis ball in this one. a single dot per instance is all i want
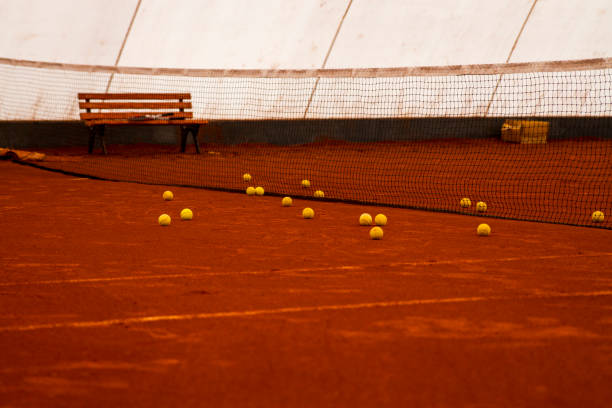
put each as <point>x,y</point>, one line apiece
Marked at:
<point>380,219</point>
<point>246,177</point>
<point>186,214</point>
<point>287,202</point>
<point>250,190</point>
<point>259,191</point>
<point>308,213</point>
<point>305,183</point>
<point>365,219</point>
<point>598,216</point>
<point>168,196</point>
<point>465,202</point>
<point>483,230</point>
<point>164,220</point>
<point>481,206</point>
<point>376,233</point>
<point>319,194</point>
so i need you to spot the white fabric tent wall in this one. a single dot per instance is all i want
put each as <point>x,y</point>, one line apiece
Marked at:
<point>296,34</point>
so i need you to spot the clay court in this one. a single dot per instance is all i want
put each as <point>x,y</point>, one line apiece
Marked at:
<point>249,304</point>
<point>442,115</point>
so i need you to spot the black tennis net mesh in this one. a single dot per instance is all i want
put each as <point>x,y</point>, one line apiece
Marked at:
<point>532,141</point>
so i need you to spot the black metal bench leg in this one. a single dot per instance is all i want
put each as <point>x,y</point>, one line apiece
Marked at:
<point>92,139</point>
<point>94,131</point>
<point>184,133</point>
<point>102,140</point>
<point>185,130</point>
<point>194,132</point>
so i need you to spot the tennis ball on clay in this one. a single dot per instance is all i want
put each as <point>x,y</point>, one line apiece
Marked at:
<point>164,220</point>
<point>186,214</point>
<point>376,233</point>
<point>308,213</point>
<point>365,219</point>
<point>246,177</point>
<point>598,216</point>
<point>305,183</point>
<point>483,230</point>
<point>481,206</point>
<point>168,196</point>
<point>319,194</point>
<point>287,202</point>
<point>380,219</point>
<point>259,191</point>
<point>250,190</point>
<point>465,202</point>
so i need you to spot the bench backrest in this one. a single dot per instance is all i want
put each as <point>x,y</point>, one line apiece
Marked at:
<point>112,108</point>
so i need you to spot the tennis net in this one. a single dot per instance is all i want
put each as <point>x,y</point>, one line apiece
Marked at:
<point>533,140</point>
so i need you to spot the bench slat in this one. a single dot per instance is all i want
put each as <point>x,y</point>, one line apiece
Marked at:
<point>124,96</point>
<point>135,105</point>
<point>146,122</point>
<point>128,115</point>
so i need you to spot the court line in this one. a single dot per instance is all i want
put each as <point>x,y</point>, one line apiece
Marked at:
<point>509,259</point>
<point>175,275</point>
<point>287,310</point>
<point>292,271</point>
<point>94,280</point>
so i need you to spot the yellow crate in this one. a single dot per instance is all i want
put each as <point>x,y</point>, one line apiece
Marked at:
<point>525,131</point>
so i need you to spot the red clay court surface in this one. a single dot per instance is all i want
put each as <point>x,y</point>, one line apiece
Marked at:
<point>250,305</point>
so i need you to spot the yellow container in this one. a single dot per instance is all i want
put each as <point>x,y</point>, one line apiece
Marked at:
<point>525,131</point>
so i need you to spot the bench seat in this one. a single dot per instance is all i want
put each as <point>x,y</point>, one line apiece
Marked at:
<point>98,110</point>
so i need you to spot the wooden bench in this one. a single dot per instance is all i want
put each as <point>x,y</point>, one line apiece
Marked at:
<point>98,110</point>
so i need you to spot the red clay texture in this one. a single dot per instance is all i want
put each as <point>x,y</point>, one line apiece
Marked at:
<point>250,305</point>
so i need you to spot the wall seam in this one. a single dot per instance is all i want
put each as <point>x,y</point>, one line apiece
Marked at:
<point>125,38</point>
<point>329,50</point>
